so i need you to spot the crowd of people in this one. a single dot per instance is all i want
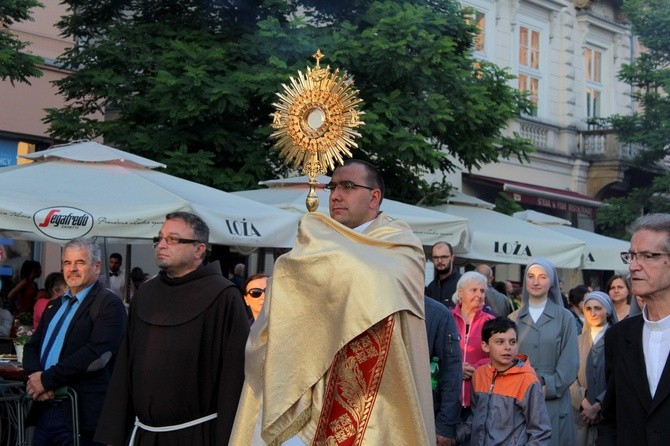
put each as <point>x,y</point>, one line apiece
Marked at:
<point>344,344</point>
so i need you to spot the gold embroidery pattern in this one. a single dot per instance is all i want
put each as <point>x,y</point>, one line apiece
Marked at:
<point>352,387</point>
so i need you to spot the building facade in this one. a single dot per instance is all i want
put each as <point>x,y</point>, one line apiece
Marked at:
<point>21,127</point>
<point>566,55</point>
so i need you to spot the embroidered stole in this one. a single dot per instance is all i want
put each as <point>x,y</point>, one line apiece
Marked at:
<point>356,374</point>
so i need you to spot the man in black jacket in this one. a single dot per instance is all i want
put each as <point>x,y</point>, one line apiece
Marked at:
<point>75,345</point>
<point>443,286</point>
<point>636,407</point>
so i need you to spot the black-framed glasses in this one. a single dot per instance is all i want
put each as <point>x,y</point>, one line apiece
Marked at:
<point>172,240</point>
<point>256,292</point>
<point>641,257</point>
<point>346,186</point>
<point>436,258</point>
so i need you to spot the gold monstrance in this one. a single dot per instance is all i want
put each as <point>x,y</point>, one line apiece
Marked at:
<point>315,122</point>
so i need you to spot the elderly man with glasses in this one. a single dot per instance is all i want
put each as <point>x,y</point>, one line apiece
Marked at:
<point>636,407</point>
<point>339,353</point>
<point>179,372</point>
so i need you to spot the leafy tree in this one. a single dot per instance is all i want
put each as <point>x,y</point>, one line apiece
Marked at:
<point>191,83</point>
<point>649,128</point>
<point>507,206</point>
<point>16,65</point>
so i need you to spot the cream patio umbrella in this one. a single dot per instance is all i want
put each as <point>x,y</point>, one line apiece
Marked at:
<point>499,238</point>
<point>89,189</point>
<point>289,195</point>
<point>600,253</point>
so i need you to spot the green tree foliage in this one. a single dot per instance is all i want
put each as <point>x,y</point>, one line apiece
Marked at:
<point>191,84</point>
<point>507,206</point>
<point>15,64</point>
<point>649,128</point>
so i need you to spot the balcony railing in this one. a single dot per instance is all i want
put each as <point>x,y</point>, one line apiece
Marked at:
<point>603,144</point>
<point>598,143</point>
<point>538,134</point>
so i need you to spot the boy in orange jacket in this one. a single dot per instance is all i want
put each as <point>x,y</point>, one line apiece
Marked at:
<point>508,406</point>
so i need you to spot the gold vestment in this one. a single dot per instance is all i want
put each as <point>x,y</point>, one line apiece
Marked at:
<point>330,289</point>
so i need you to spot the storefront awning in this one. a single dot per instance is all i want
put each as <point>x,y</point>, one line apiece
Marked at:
<point>532,195</point>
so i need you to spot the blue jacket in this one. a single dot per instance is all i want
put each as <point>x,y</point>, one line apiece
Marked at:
<point>444,343</point>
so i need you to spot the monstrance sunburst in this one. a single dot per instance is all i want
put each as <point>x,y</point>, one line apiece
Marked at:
<point>315,122</point>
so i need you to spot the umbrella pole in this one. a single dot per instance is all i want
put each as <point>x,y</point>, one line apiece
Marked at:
<point>126,286</point>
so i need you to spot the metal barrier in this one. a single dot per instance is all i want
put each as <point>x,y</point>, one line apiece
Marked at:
<point>69,393</point>
<point>12,413</point>
<point>13,403</point>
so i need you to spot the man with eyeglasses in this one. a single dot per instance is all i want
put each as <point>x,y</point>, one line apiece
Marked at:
<point>180,369</point>
<point>636,408</point>
<point>443,286</point>
<point>339,353</point>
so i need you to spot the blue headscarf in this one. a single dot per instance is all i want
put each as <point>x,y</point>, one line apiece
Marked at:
<point>554,288</point>
<point>607,304</point>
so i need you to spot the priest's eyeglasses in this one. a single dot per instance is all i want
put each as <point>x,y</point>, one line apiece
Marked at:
<point>643,257</point>
<point>172,240</point>
<point>346,186</point>
<point>256,292</point>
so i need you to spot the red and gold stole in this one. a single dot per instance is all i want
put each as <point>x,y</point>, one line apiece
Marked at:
<point>356,374</point>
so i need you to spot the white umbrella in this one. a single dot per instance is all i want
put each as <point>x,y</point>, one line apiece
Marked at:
<point>600,253</point>
<point>499,238</point>
<point>88,189</point>
<point>539,218</point>
<point>431,227</point>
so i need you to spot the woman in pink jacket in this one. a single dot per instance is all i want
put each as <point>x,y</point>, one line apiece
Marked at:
<point>470,318</point>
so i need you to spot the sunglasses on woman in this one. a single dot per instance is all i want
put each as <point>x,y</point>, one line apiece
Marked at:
<point>256,292</point>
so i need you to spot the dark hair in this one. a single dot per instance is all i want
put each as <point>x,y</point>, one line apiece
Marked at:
<point>52,281</point>
<point>447,244</point>
<point>497,325</point>
<point>374,177</point>
<point>501,287</point>
<point>197,224</point>
<point>137,274</point>
<point>655,223</point>
<point>28,267</point>
<point>117,256</point>
<point>250,278</point>
<point>626,281</point>
<point>576,295</point>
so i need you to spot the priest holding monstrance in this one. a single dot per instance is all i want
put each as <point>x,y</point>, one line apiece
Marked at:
<point>338,355</point>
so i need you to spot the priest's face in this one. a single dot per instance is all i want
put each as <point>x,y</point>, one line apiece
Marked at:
<point>174,256</point>
<point>355,205</point>
<point>650,277</point>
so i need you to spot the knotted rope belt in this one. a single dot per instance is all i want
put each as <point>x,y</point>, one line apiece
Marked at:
<point>174,427</point>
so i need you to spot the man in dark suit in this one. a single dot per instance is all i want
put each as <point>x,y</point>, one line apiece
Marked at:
<point>75,345</point>
<point>636,407</point>
<point>444,346</point>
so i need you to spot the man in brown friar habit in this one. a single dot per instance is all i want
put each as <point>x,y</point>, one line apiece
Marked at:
<point>179,372</point>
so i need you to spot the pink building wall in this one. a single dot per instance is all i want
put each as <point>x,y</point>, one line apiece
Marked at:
<point>22,105</point>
